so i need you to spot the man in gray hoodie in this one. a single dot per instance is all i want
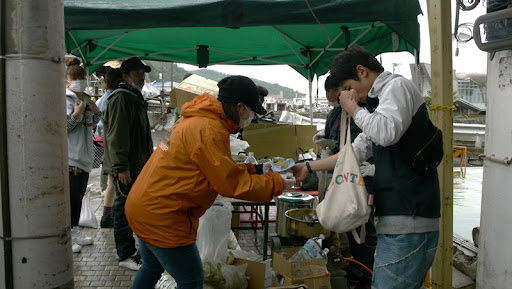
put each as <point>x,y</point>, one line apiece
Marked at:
<point>395,123</point>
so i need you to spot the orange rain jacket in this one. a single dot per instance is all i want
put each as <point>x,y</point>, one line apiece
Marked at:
<point>185,173</point>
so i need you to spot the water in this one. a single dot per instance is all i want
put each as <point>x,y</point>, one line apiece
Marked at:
<point>467,197</point>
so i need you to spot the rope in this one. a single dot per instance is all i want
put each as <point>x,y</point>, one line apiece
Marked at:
<point>442,107</point>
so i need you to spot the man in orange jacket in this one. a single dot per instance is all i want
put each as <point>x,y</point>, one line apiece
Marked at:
<point>184,176</point>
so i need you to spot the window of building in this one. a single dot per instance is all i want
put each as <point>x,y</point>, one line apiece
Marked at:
<point>471,91</point>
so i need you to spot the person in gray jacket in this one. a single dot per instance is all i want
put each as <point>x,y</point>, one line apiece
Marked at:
<point>82,114</point>
<point>128,146</point>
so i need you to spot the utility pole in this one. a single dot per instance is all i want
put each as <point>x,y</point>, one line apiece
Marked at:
<point>35,241</point>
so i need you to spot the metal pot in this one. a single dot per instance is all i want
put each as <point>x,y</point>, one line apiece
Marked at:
<point>287,201</point>
<point>297,226</point>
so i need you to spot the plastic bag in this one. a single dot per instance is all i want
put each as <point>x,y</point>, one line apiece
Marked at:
<point>213,274</point>
<point>246,255</point>
<point>233,242</point>
<point>237,145</point>
<point>87,216</point>
<point>213,232</point>
<point>235,276</point>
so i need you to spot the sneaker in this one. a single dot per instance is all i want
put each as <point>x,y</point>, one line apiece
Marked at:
<point>79,237</point>
<point>132,263</point>
<point>76,248</point>
<point>107,221</point>
<point>136,242</point>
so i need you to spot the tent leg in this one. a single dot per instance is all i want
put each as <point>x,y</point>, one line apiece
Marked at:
<point>439,12</point>
<point>310,81</point>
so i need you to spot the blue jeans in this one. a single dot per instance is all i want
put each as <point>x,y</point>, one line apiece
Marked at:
<point>123,234</point>
<point>402,261</point>
<point>183,263</point>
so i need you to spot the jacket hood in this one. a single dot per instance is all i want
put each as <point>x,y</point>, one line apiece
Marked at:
<point>380,82</point>
<point>71,94</point>
<point>206,105</point>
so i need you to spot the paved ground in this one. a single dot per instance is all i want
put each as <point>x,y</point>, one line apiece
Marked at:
<point>97,267</point>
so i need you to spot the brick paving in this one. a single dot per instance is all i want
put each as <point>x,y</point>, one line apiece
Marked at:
<point>96,265</point>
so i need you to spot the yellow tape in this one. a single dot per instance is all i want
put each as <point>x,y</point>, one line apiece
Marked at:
<point>442,107</point>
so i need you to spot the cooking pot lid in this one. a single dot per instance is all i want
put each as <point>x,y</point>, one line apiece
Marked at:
<point>295,197</point>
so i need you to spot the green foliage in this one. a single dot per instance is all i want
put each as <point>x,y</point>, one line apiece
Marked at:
<point>179,73</point>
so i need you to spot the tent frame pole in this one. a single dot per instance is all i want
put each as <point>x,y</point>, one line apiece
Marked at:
<point>310,81</point>
<point>439,16</point>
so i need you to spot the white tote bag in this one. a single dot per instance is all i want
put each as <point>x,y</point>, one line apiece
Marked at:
<point>87,216</point>
<point>345,206</point>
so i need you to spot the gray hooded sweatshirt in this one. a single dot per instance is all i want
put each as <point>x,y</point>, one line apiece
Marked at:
<point>80,152</point>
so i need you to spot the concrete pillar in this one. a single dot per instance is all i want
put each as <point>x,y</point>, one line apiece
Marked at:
<point>494,256</point>
<point>35,235</point>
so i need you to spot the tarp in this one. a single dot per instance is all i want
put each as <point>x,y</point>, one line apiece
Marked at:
<point>305,34</point>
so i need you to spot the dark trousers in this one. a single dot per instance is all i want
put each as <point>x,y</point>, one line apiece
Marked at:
<point>123,234</point>
<point>77,186</point>
<point>364,253</point>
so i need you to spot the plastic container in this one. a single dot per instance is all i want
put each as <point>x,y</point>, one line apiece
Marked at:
<point>251,159</point>
<point>311,250</point>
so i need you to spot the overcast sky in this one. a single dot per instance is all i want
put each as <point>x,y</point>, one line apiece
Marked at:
<point>470,58</point>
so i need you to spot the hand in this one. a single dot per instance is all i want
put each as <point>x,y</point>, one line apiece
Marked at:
<point>300,171</point>
<point>348,101</point>
<point>326,143</point>
<point>94,107</point>
<point>288,181</point>
<point>124,177</point>
<point>79,109</point>
<point>367,169</point>
<point>267,167</point>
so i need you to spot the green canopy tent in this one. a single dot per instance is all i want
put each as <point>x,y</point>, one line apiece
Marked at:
<point>304,34</point>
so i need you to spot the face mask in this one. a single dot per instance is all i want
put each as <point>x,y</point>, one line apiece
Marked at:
<point>78,85</point>
<point>246,122</point>
<point>333,103</point>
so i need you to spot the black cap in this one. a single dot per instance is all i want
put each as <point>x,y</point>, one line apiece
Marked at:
<point>132,64</point>
<point>242,89</point>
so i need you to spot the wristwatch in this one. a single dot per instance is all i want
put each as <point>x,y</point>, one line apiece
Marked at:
<point>309,168</point>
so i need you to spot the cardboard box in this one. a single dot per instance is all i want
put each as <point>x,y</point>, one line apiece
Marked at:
<point>191,87</point>
<point>255,271</point>
<point>297,270</point>
<point>279,140</point>
<point>323,282</point>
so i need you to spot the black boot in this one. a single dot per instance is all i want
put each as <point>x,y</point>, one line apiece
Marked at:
<point>107,220</point>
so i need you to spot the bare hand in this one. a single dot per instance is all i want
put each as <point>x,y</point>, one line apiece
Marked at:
<point>348,96</point>
<point>288,181</point>
<point>94,107</point>
<point>300,171</point>
<point>79,109</point>
<point>267,167</point>
<point>348,101</point>
<point>124,177</point>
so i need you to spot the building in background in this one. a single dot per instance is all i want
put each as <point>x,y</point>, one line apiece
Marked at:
<point>470,89</point>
